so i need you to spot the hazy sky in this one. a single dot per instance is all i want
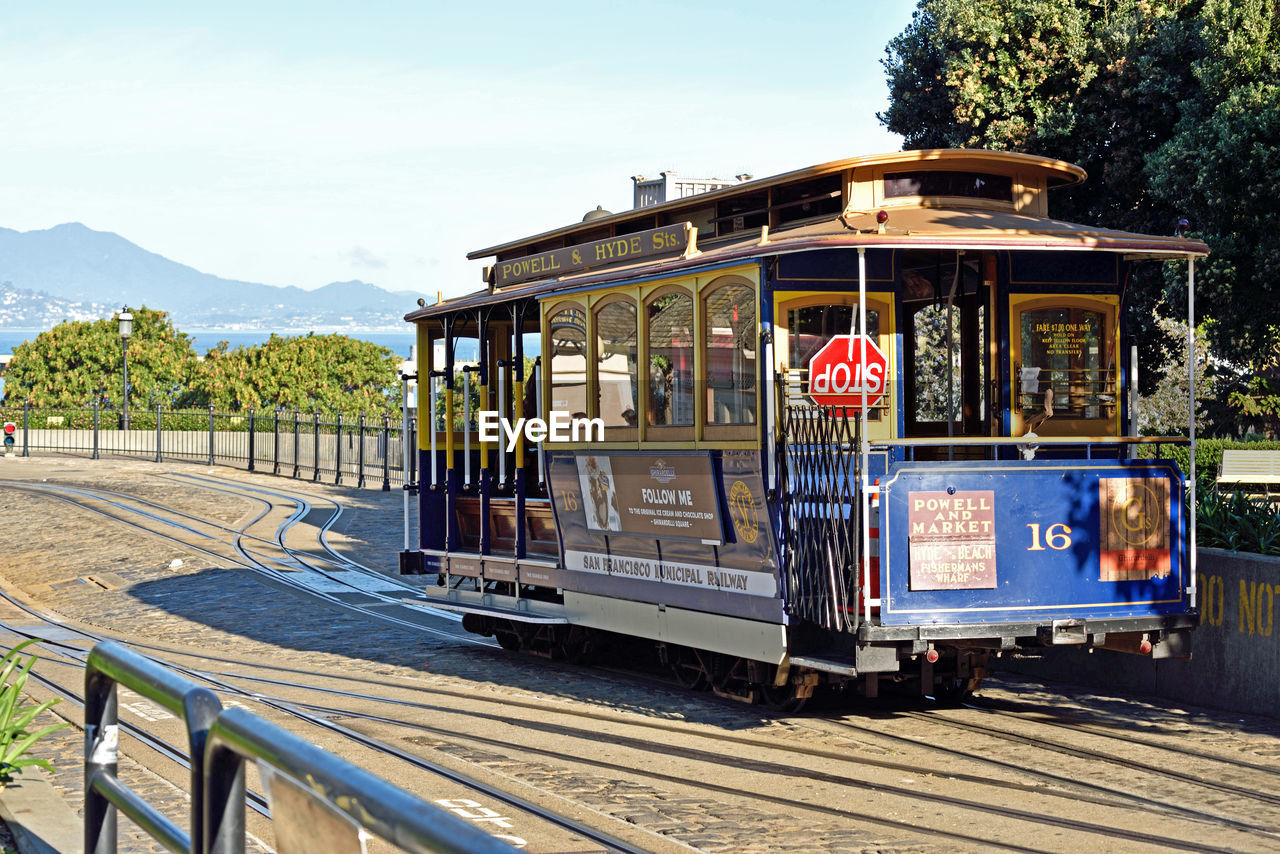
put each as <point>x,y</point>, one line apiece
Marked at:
<point>299,144</point>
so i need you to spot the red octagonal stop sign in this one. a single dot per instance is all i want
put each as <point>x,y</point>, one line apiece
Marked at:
<point>838,373</point>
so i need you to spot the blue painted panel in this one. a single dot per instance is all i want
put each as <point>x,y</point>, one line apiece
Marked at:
<point>1064,268</point>
<point>835,265</point>
<point>1031,584</point>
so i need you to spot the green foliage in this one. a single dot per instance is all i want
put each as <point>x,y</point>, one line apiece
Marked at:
<point>1254,393</point>
<point>1236,521</point>
<point>333,373</point>
<point>1222,164</point>
<point>76,363</point>
<point>1173,108</point>
<point>1164,411</point>
<point>1208,454</point>
<point>15,739</point>
<point>989,73</point>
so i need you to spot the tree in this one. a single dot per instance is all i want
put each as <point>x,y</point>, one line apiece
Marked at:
<point>1172,106</point>
<point>1085,81</point>
<point>80,362</point>
<point>1164,411</point>
<point>328,372</point>
<point>1222,164</point>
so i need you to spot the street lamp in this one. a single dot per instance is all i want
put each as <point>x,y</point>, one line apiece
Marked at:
<point>126,329</point>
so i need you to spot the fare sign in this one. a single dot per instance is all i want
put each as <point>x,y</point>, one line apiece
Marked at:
<point>845,368</point>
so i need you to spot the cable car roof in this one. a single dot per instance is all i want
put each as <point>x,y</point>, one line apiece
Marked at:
<point>918,222</point>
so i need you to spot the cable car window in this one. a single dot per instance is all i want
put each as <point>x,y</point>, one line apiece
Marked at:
<point>937,377</point>
<point>969,185</point>
<point>1067,367</point>
<point>616,359</point>
<point>669,322</point>
<point>567,326</point>
<point>731,355</point>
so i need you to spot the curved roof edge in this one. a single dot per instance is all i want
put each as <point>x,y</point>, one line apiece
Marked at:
<point>1132,246</point>
<point>1066,173</point>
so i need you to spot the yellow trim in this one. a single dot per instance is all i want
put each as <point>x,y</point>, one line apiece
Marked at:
<point>667,432</point>
<point>549,309</point>
<point>424,413</point>
<point>1109,306</point>
<point>882,301</point>
<point>484,404</point>
<point>691,285</point>
<point>1028,189</point>
<point>518,400</point>
<point>598,302</point>
<point>448,423</point>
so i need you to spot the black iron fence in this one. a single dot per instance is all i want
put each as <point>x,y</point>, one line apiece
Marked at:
<point>356,450</point>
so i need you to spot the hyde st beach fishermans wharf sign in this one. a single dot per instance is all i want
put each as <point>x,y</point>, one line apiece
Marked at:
<point>668,241</point>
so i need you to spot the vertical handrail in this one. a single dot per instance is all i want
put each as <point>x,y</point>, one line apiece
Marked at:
<point>466,428</point>
<point>102,757</point>
<point>386,452</point>
<point>110,663</point>
<point>406,450</point>
<point>502,407</point>
<point>275,443</point>
<point>537,382</point>
<point>1191,425</point>
<point>433,427</point>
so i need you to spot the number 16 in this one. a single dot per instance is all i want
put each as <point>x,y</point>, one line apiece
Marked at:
<point>1057,537</point>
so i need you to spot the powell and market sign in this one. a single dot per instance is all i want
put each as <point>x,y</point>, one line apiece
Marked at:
<point>670,240</point>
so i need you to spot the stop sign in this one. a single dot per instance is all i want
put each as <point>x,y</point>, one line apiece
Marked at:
<point>845,368</point>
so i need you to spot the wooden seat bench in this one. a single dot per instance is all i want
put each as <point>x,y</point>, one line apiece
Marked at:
<point>540,529</point>
<point>1255,468</point>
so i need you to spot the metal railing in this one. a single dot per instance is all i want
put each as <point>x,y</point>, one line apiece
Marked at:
<point>819,463</point>
<point>220,741</point>
<point>354,450</point>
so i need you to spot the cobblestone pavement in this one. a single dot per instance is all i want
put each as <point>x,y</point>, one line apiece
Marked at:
<point>203,604</point>
<point>95,571</point>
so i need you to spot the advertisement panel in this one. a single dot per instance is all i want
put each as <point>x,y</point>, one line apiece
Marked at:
<point>650,495</point>
<point>685,528</point>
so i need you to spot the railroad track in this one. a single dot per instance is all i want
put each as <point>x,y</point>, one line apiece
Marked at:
<point>888,786</point>
<point>159,522</point>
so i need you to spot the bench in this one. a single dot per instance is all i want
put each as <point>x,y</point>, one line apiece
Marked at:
<point>540,528</point>
<point>1259,468</point>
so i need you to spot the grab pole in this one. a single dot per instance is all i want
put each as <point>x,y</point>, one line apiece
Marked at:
<point>864,491</point>
<point>466,427</point>
<point>404,445</point>
<point>1191,388</point>
<point>432,426</point>
<point>502,406</point>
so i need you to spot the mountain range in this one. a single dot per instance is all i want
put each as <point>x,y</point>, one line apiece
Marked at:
<point>72,272</point>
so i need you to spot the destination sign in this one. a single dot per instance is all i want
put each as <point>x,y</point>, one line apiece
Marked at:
<point>670,240</point>
<point>952,540</point>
